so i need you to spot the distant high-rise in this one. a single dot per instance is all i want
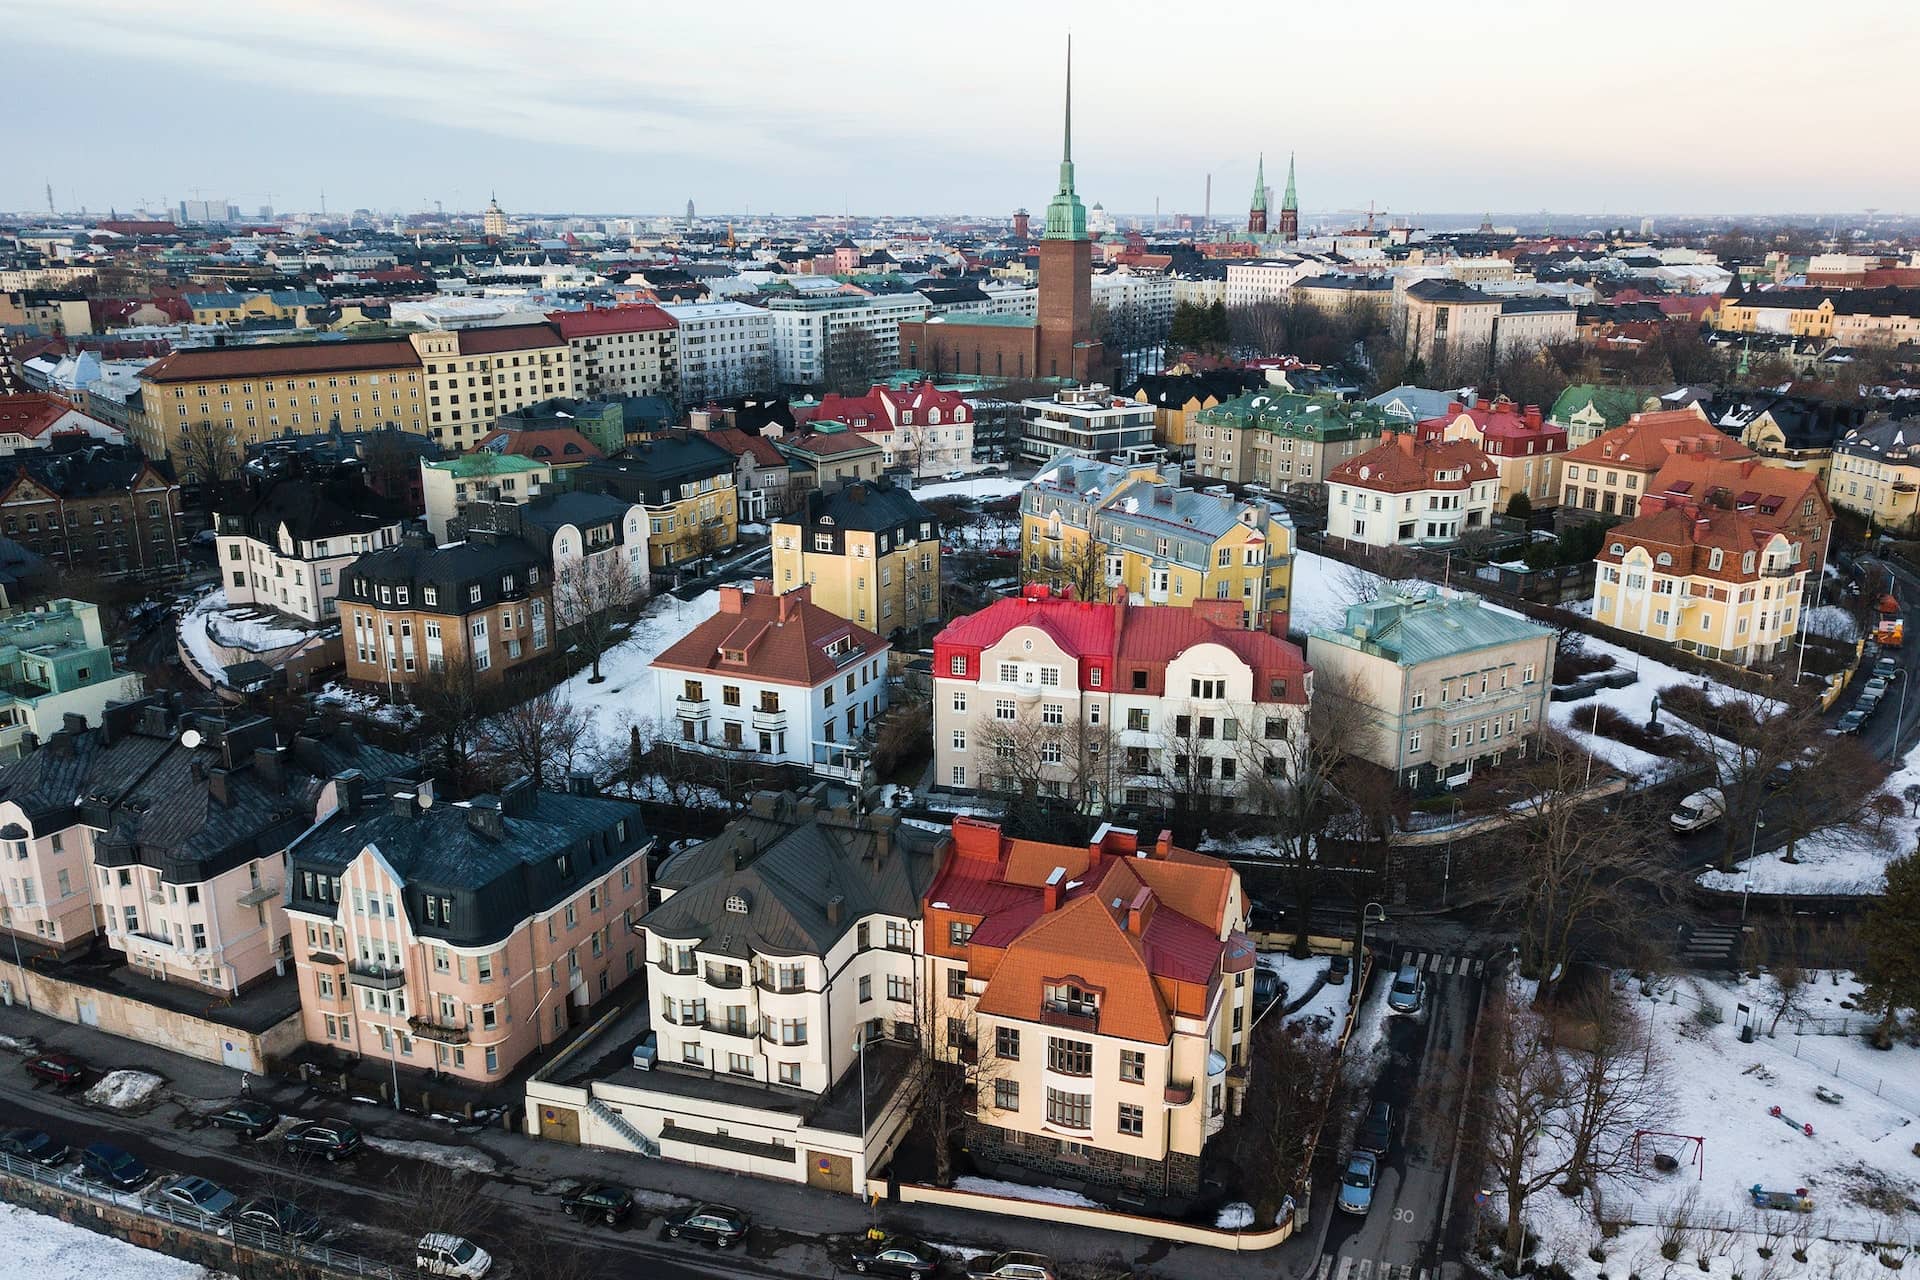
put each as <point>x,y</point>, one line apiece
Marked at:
<point>1290,208</point>
<point>689,215</point>
<point>1257,213</point>
<point>494,221</point>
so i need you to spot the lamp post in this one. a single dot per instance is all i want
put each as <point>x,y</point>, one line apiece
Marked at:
<point>21,965</point>
<point>1360,944</point>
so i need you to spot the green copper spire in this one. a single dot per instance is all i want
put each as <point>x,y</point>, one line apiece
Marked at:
<point>1066,216</point>
<point>1260,184</point>
<point>1291,201</point>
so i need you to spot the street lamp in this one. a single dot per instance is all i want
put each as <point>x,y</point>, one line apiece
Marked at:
<point>1367,916</point>
<point>21,965</point>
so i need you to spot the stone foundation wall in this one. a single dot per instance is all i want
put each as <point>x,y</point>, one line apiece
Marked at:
<point>1176,1176</point>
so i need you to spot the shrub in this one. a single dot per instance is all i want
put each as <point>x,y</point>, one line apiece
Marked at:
<point>1613,723</point>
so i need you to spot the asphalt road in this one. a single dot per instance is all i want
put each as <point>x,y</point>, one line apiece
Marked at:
<point>366,1203</point>
<point>1423,1078</point>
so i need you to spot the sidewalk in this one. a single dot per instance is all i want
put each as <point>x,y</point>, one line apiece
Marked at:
<point>539,1165</point>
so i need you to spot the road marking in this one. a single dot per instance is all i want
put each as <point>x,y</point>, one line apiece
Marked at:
<point>1326,1265</point>
<point>1346,1265</point>
<point>1364,1270</point>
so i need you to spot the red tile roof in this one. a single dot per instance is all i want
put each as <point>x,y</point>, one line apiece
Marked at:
<point>1777,493</point>
<point>494,338</point>
<point>883,408</point>
<point>31,414</point>
<point>1690,533</point>
<point>784,638</point>
<point>1645,441</point>
<point>599,321</point>
<point>738,442</point>
<point>1403,463</point>
<point>1505,428</point>
<point>559,445</point>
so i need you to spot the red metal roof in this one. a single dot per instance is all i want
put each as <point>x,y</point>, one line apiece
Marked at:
<point>600,321</point>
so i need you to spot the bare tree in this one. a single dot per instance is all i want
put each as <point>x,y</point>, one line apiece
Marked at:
<point>1789,979</point>
<point>852,362</point>
<point>1081,569</point>
<point>1523,1097</point>
<point>1269,1140</point>
<point>428,1197</point>
<point>543,738</point>
<point>1041,768</point>
<point>593,597</point>
<point>207,454</point>
<point>1615,1087</point>
<point>952,1076</point>
<point>451,703</point>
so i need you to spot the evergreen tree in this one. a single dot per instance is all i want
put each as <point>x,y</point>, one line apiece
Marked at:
<point>1216,327</point>
<point>1520,507</point>
<point>1891,935</point>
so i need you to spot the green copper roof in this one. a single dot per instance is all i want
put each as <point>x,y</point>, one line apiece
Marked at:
<point>485,463</point>
<point>1292,201</point>
<point>1319,417</point>
<point>1411,631</point>
<point>1614,404</point>
<point>1066,216</point>
<point>1260,185</point>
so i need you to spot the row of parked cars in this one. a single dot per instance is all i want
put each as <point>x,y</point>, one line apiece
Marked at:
<point>1885,672</point>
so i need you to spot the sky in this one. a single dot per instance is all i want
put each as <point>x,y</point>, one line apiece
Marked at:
<point>637,106</point>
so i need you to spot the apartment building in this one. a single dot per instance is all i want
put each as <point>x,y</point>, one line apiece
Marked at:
<point>1135,301</point>
<point>1794,432</point>
<point>725,349</point>
<point>686,484</point>
<point>34,420</point>
<point>1268,279</point>
<point>1586,410</point>
<point>1105,990</point>
<point>870,552</point>
<point>631,350</point>
<point>1178,397</point>
<point>447,484</point>
<point>1723,584</point>
<point>829,456</point>
<point>594,543</point>
<point>56,670</point>
<point>762,477</point>
<point>288,306</point>
<point>1338,295</point>
<point>1610,474</point>
<point>96,508</point>
<point>1792,501</point>
<point>1446,685</point>
<point>802,332</point>
<point>284,541</point>
<point>776,676</point>
<point>462,938</point>
<point>1408,491</point>
<point>1876,474</point>
<point>474,375</point>
<point>1523,447</point>
<point>1445,322</point>
<point>919,427</point>
<point>204,405</point>
<point>1162,543</point>
<point>1087,422</point>
<point>1282,439</point>
<point>415,609</point>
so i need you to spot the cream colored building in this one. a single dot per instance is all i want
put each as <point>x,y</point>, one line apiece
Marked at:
<point>870,552</point>
<point>1876,474</point>
<point>475,375</point>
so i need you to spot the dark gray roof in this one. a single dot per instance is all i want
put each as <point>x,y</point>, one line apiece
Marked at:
<point>1448,291</point>
<point>482,560</point>
<point>652,471</point>
<point>311,506</point>
<point>875,506</point>
<point>805,875</point>
<point>579,509</point>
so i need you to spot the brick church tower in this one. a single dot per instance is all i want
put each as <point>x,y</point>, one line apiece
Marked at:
<point>1257,214</point>
<point>1067,348</point>
<point>1290,208</point>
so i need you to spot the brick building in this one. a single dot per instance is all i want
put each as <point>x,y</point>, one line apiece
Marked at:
<point>98,509</point>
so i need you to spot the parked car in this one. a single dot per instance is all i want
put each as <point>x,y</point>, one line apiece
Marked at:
<point>282,1217</point>
<point>246,1117</point>
<point>1852,722</point>
<point>62,1069</point>
<point>718,1223</point>
<point>1267,986</point>
<point>334,1139</point>
<point>114,1167</point>
<point>1337,967</point>
<point>442,1255</point>
<point>1781,776</point>
<point>186,1191</point>
<point>954,475</point>
<point>646,1051</point>
<point>1357,1181</point>
<point>1701,809</point>
<point>610,1204</point>
<point>993,471</point>
<point>1408,988</point>
<point>1011,1266</point>
<point>1887,669</point>
<point>32,1144</point>
<point>1874,689</point>
<point>895,1256</point>
<point>1376,1131</point>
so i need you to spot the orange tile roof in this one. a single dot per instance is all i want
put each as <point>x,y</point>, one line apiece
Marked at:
<point>1403,464</point>
<point>1691,533</point>
<point>785,638</point>
<point>1646,440</point>
<point>1776,492</point>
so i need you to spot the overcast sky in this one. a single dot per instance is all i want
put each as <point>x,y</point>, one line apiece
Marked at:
<point>637,106</point>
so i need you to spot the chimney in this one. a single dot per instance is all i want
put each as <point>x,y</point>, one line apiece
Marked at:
<point>791,601</point>
<point>1532,415</point>
<point>29,743</point>
<point>1702,525</point>
<point>483,816</point>
<point>1140,912</point>
<point>1163,843</point>
<point>403,803</point>
<point>73,722</point>
<point>1405,440</point>
<point>883,825</point>
<point>581,784</point>
<point>267,765</point>
<point>516,798</point>
<point>220,785</point>
<point>835,905</point>
<point>1163,495</point>
<point>1050,894</point>
<point>730,599</point>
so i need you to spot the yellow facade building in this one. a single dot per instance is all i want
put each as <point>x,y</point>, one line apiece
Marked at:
<point>1876,474</point>
<point>475,375</point>
<point>870,552</point>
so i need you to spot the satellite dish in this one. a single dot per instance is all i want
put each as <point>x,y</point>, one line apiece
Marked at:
<point>424,800</point>
<point>190,739</point>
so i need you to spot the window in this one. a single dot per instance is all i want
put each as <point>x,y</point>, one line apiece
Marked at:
<point>866,989</point>
<point>899,988</point>
<point>957,665</point>
<point>1006,1095</point>
<point>1138,719</point>
<point>959,933</point>
<point>956,984</point>
<point>1069,1057</point>
<point>790,1074</point>
<point>1006,1044</point>
<point>1003,709</point>
<point>1133,1066</point>
<point>1070,1110</point>
<point>1133,1120</point>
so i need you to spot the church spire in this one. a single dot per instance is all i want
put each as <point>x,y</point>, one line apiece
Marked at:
<point>1260,184</point>
<point>1292,200</point>
<point>1066,216</point>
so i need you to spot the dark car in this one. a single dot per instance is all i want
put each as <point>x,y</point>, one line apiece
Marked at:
<point>1267,986</point>
<point>895,1256</point>
<point>712,1222</point>
<point>31,1144</point>
<point>1887,669</point>
<point>334,1139</point>
<point>1850,722</point>
<point>1376,1131</point>
<point>1011,1266</point>
<point>246,1117</point>
<point>608,1203</point>
<point>105,1163</point>
<point>58,1068</point>
<point>282,1217</point>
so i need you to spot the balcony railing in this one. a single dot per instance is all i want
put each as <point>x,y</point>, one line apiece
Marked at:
<point>770,721</point>
<point>1073,1019</point>
<point>379,977</point>
<point>1179,1093</point>
<point>692,708</point>
<point>441,1032</point>
<point>745,1030</point>
<point>729,978</point>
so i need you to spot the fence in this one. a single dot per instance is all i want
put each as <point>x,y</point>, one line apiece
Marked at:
<point>1617,1212</point>
<point>1876,1085</point>
<point>232,1237</point>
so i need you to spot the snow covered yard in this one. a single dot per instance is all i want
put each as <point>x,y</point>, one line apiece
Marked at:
<point>984,488</point>
<point>628,694</point>
<point>1329,1004</point>
<point>214,632</point>
<point>39,1247</point>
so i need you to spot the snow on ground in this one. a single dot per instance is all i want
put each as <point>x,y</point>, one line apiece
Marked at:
<point>1846,858</point>
<point>1237,1216</point>
<point>984,488</point>
<point>43,1248</point>
<point>465,1159</point>
<point>957,1251</point>
<point>1323,588</point>
<point>627,695</point>
<point>1366,1051</point>
<point>1856,1165</point>
<point>1635,702</point>
<point>1833,622</point>
<point>124,1090</point>
<point>211,623</point>
<point>370,706</point>
<point>1329,1004</point>
<point>1020,1191</point>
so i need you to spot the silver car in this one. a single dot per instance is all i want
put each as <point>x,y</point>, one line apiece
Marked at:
<point>1408,988</point>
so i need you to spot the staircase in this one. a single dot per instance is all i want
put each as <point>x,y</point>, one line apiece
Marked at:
<point>1712,946</point>
<point>615,1121</point>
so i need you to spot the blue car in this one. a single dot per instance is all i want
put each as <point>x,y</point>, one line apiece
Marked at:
<point>1357,1182</point>
<point>105,1163</point>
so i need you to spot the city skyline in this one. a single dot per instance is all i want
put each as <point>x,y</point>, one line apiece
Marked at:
<point>894,122</point>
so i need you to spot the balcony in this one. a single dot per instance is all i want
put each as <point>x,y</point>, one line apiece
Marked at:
<point>692,708</point>
<point>730,978</point>
<point>774,721</point>
<point>1179,1093</point>
<point>744,1030</point>
<point>258,894</point>
<point>378,977</point>
<point>1071,1018</point>
<point>439,1032</point>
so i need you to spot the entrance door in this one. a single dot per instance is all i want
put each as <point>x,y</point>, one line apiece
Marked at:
<point>89,1013</point>
<point>236,1054</point>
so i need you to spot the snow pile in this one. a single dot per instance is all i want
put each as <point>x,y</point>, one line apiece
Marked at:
<point>43,1248</point>
<point>210,625</point>
<point>1847,858</point>
<point>124,1090</point>
<point>1329,1003</point>
<point>1237,1216</point>
<point>1833,622</point>
<point>366,706</point>
<point>464,1159</point>
<point>1019,1191</point>
<point>629,695</point>
<point>658,1201</point>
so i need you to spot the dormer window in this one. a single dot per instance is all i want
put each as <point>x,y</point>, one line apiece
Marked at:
<point>1618,549</point>
<point>736,656</point>
<point>1715,557</point>
<point>430,595</point>
<point>473,594</point>
<point>1746,563</point>
<point>1664,558</point>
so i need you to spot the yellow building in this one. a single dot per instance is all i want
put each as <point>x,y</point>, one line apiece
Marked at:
<point>475,375</point>
<point>686,483</point>
<point>870,552</point>
<point>1163,543</point>
<point>202,407</point>
<point>1876,474</point>
<point>1806,313</point>
<point>1177,396</point>
<point>238,308</point>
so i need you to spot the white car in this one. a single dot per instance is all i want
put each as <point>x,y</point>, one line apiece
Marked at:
<point>443,1255</point>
